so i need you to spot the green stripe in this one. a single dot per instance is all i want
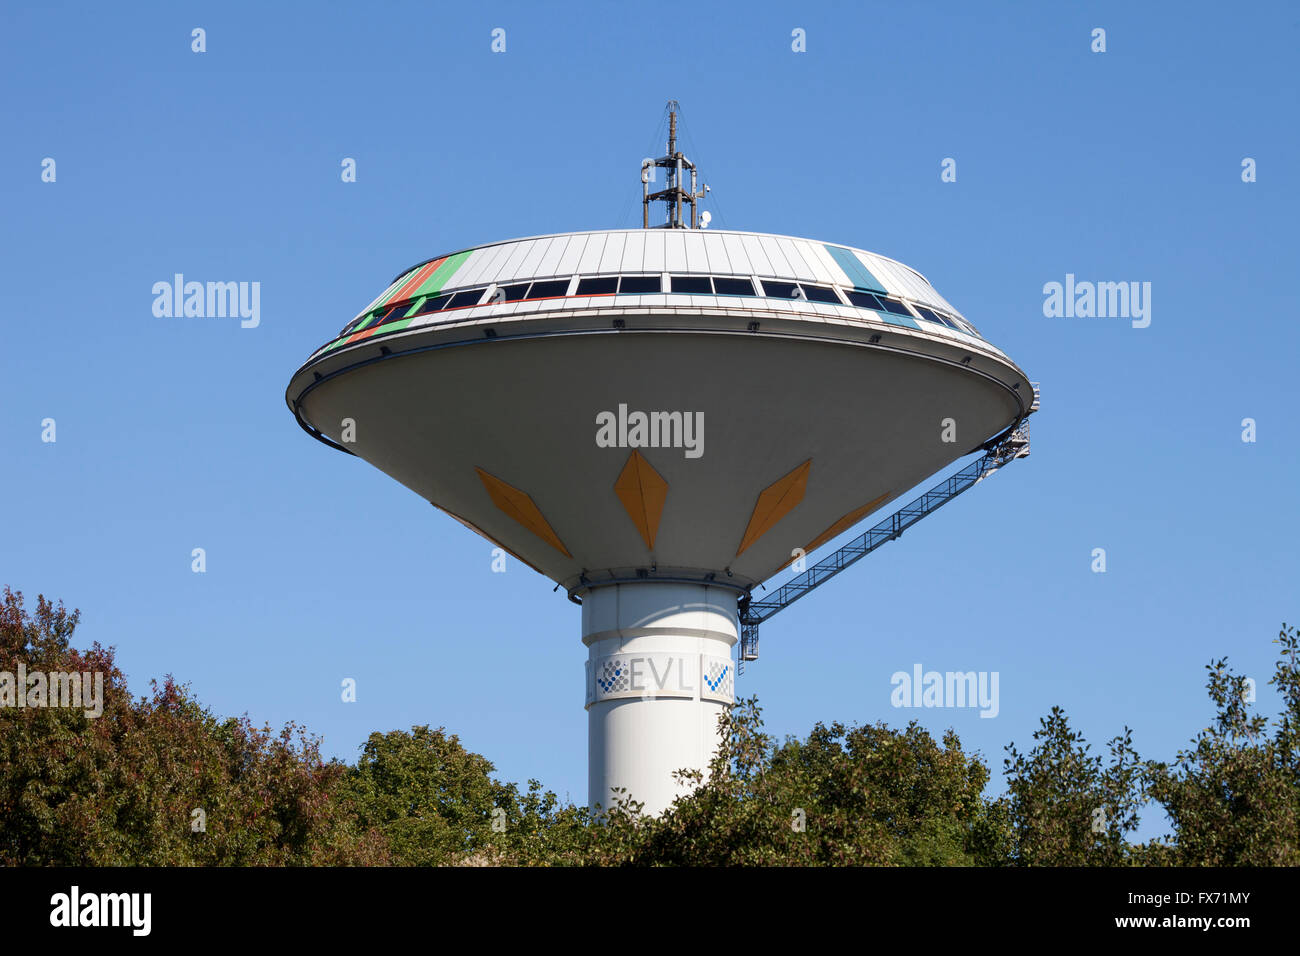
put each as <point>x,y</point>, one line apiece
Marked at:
<point>393,326</point>
<point>443,273</point>
<point>392,291</point>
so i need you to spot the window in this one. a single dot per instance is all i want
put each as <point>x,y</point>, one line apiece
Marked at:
<point>938,317</point>
<point>896,307</point>
<point>865,300</point>
<point>515,292</point>
<point>779,290</point>
<point>352,326</point>
<point>604,285</point>
<point>384,314</point>
<point>462,299</point>
<point>640,285</point>
<point>955,323</point>
<point>817,293</point>
<point>726,286</point>
<point>432,304</point>
<point>692,285</point>
<point>549,289</point>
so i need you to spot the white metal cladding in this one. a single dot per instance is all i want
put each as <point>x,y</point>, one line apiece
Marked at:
<point>716,250</point>
<point>736,254</point>
<point>759,263</point>
<point>634,252</point>
<point>711,252</point>
<point>798,268</point>
<point>697,260</point>
<point>534,257</point>
<point>655,242</point>
<point>590,261</point>
<point>611,257</point>
<point>554,253</point>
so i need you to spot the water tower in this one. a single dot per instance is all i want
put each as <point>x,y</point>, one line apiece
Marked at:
<point>660,420</point>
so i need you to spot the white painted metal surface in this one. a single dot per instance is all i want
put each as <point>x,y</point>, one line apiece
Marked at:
<point>659,675</point>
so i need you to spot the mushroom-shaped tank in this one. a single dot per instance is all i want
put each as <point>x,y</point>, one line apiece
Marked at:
<point>658,419</point>
<point>659,404</point>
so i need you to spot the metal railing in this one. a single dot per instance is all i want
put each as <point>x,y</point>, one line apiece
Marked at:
<point>1000,451</point>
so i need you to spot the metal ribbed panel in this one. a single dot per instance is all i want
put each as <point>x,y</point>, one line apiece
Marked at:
<point>534,258</point>
<point>697,260</point>
<point>511,268</point>
<point>451,273</point>
<point>900,281</point>
<point>884,270</point>
<point>572,255</point>
<point>654,251</point>
<point>823,266</point>
<point>634,252</point>
<point>919,289</point>
<point>716,250</point>
<point>591,255</point>
<point>631,251</point>
<point>554,252</point>
<point>473,270</point>
<point>611,258</point>
<point>674,251</point>
<point>801,269</point>
<point>780,267</point>
<point>737,255</point>
<point>493,260</point>
<point>758,260</point>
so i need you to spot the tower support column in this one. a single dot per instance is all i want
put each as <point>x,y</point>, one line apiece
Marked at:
<point>659,673</point>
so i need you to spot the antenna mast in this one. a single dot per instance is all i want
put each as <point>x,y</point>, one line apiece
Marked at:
<point>675,194</point>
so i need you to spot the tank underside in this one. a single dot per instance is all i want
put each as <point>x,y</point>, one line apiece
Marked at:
<point>530,437</point>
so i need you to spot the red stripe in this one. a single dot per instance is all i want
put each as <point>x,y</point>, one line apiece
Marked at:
<point>416,281</point>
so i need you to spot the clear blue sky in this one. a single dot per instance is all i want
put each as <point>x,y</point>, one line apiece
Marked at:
<point>172,434</point>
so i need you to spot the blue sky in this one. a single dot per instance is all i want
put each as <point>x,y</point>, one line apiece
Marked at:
<point>172,434</point>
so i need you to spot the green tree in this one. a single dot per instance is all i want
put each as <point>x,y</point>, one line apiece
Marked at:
<point>1064,807</point>
<point>1234,796</point>
<point>846,795</point>
<point>431,798</point>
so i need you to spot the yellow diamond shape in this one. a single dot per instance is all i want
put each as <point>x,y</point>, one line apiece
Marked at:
<point>643,492</point>
<point>775,502</point>
<point>519,506</point>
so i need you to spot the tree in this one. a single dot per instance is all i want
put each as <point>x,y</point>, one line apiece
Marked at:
<point>132,785</point>
<point>121,789</point>
<point>432,799</point>
<point>1234,796</point>
<point>1064,807</point>
<point>846,795</point>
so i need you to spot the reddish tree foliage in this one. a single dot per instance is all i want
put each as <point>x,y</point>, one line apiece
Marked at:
<point>123,788</point>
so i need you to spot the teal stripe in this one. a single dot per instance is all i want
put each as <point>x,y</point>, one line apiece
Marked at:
<point>903,320</point>
<point>858,274</point>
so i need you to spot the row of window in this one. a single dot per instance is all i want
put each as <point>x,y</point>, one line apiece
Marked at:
<point>649,285</point>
